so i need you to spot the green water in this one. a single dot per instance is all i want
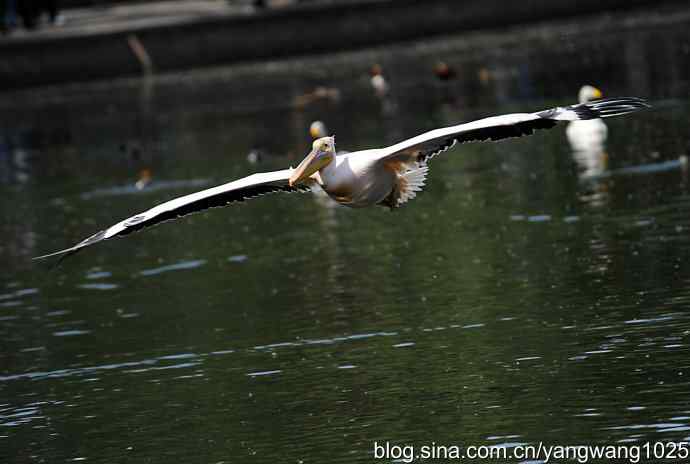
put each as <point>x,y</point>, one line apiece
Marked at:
<point>515,301</point>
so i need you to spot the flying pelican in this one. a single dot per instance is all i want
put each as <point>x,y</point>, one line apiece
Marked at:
<point>388,176</point>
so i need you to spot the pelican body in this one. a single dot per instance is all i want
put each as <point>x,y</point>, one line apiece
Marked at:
<point>350,179</point>
<point>388,176</point>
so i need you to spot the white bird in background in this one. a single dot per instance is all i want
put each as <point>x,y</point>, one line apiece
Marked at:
<point>378,81</point>
<point>389,176</point>
<point>588,135</point>
<point>588,138</point>
<point>317,129</point>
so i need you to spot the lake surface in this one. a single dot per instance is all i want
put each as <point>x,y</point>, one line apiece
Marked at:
<point>526,295</point>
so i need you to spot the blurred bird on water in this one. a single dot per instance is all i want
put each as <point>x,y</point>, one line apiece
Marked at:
<point>317,129</point>
<point>144,180</point>
<point>587,138</point>
<point>330,94</point>
<point>590,134</point>
<point>378,81</point>
<point>443,71</point>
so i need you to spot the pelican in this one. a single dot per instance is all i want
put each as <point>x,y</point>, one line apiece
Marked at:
<point>587,135</point>
<point>588,138</point>
<point>389,176</point>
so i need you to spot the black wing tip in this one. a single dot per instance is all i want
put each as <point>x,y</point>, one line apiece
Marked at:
<point>610,107</point>
<point>595,109</point>
<point>67,252</point>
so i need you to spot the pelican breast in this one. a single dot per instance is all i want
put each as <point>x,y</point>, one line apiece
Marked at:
<point>357,180</point>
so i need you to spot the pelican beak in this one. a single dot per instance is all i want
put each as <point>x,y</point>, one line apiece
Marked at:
<point>597,93</point>
<point>309,165</point>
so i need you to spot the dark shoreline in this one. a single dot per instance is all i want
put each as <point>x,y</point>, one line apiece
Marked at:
<point>296,31</point>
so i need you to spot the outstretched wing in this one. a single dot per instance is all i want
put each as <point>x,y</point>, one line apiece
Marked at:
<point>421,148</point>
<point>238,190</point>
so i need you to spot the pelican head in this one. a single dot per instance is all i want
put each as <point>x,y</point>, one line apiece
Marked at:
<point>321,155</point>
<point>589,93</point>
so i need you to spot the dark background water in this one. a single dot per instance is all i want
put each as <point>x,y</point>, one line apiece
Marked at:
<point>516,300</point>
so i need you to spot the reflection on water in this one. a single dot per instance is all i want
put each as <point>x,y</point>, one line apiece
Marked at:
<point>512,302</point>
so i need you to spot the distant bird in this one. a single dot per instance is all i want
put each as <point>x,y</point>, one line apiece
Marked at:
<point>388,176</point>
<point>588,135</point>
<point>317,129</point>
<point>378,81</point>
<point>319,93</point>
<point>255,155</point>
<point>588,138</point>
<point>443,71</point>
<point>144,180</point>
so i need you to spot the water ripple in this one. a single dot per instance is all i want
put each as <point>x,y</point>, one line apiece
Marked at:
<point>174,267</point>
<point>98,286</point>
<point>263,373</point>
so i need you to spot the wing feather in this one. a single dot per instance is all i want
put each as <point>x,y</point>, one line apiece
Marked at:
<point>423,147</point>
<point>237,191</point>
